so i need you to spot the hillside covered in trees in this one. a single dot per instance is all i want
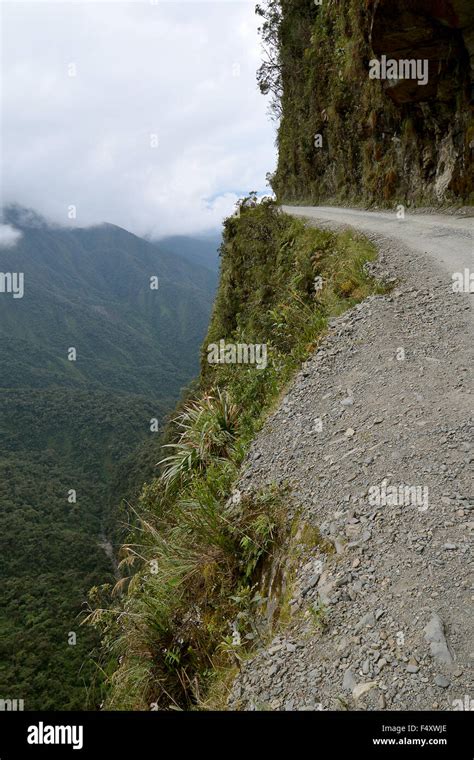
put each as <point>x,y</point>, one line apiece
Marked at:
<point>73,428</point>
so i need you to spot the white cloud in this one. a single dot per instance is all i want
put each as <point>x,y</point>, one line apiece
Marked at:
<point>184,71</point>
<point>9,236</point>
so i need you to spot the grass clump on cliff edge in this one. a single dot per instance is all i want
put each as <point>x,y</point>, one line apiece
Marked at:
<point>192,568</point>
<point>280,282</point>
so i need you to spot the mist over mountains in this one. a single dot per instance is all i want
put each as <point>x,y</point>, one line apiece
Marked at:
<point>90,289</point>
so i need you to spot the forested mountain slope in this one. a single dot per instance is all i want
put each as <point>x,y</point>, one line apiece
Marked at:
<point>202,249</point>
<point>74,426</point>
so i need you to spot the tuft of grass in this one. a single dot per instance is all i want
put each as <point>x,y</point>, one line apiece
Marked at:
<point>319,616</point>
<point>206,433</point>
<point>189,606</point>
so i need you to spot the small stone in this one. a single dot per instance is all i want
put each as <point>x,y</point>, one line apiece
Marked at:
<point>311,583</point>
<point>349,432</point>
<point>434,634</point>
<point>348,681</point>
<point>275,648</point>
<point>362,688</point>
<point>442,681</point>
<point>367,621</point>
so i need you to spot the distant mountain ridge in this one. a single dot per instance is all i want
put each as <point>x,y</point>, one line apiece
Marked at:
<point>203,249</point>
<point>96,284</point>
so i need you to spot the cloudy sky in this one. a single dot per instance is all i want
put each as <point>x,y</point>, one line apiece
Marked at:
<point>143,114</point>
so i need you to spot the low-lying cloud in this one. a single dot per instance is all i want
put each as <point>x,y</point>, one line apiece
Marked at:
<point>143,114</point>
<point>9,236</point>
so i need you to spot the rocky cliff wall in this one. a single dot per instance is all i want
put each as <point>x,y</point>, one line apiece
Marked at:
<point>347,137</point>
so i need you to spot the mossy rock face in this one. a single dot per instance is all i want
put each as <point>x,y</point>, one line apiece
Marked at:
<point>384,141</point>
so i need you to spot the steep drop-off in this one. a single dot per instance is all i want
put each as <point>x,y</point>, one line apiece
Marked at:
<point>182,614</point>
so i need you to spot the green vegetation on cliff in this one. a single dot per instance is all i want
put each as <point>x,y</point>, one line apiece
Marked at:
<point>184,608</point>
<point>381,142</point>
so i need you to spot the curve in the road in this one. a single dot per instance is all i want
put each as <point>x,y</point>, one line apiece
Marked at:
<point>448,240</point>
